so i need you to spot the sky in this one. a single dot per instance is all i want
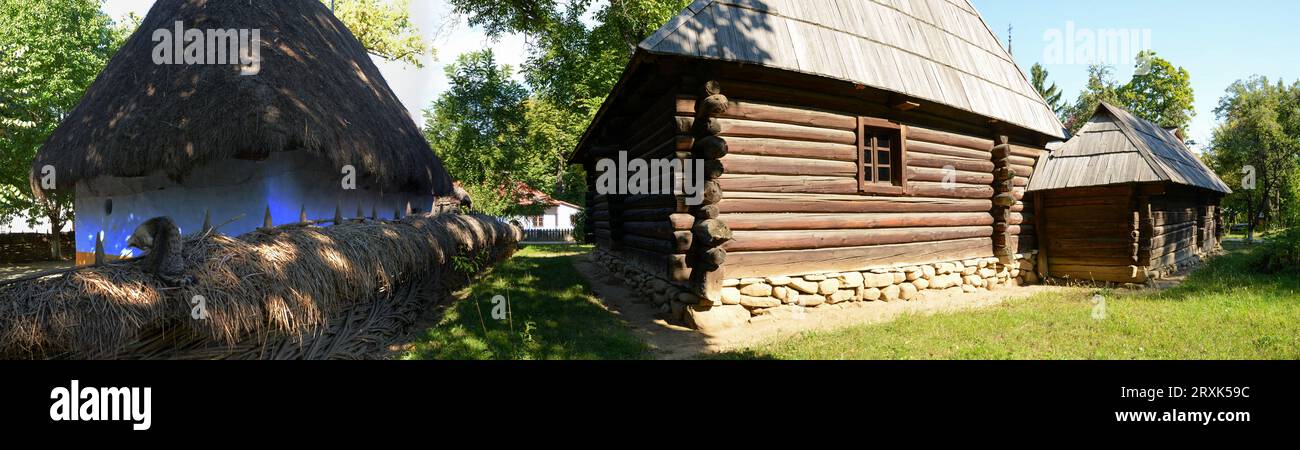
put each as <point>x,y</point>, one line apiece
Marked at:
<point>1217,42</point>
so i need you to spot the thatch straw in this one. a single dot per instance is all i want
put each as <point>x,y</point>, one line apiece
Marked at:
<point>317,90</point>
<point>287,292</point>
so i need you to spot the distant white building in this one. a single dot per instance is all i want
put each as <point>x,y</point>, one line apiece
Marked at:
<point>557,215</point>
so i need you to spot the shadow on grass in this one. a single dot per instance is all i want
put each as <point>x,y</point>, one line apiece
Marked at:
<point>1232,273</point>
<point>549,314</point>
<point>1224,310</point>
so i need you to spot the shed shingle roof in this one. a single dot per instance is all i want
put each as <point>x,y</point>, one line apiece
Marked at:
<point>1116,147</point>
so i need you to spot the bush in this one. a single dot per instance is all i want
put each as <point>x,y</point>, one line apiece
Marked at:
<point>1279,253</point>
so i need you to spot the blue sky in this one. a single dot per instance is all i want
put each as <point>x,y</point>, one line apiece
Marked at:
<point>1217,42</point>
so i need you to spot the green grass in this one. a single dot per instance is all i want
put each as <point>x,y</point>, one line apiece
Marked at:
<point>1223,311</point>
<point>554,316</point>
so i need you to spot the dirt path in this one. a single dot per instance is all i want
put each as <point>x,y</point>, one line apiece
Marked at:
<point>671,341</point>
<point>15,270</point>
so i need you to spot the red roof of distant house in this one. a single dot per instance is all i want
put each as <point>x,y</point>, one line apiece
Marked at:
<point>526,195</point>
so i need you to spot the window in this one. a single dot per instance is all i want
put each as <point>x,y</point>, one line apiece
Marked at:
<point>538,221</point>
<point>881,157</point>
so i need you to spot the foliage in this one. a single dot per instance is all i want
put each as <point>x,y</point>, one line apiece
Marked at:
<point>1051,94</point>
<point>580,226</point>
<point>1161,94</point>
<point>50,52</point>
<point>1101,87</point>
<point>1281,253</point>
<point>551,314</point>
<point>572,66</point>
<point>1260,128</point>
<point>384,28</point>
<point>478,124</point>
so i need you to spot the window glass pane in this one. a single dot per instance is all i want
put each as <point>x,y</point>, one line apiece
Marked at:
<point>882,157</point>
<point>882,142</point>
<point>882,174</point>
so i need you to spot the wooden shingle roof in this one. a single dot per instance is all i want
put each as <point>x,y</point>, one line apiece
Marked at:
<point>935,50</point>
<point>1116,147</point>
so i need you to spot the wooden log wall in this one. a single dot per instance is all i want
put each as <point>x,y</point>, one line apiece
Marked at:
<point>709,234</point>
<point>651,232</point>
<point>1179,229</point>
<point>792,201</point>
<point>1093,234</point>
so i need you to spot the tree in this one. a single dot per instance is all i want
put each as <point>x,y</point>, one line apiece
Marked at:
<point>478,126</point>
<point>551,137</point>
<point>50,52</point>
<point>1159,92</point>
<point>1101,87</point>
<point>384,28</point>
<point>1051,94</point>
<point>1259,132</point>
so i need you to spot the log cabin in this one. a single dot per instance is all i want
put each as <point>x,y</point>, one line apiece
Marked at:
<point>1124,201</point>
<point>853,150</point>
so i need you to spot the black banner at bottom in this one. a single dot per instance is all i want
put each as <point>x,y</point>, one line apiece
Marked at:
<point>237,400</point>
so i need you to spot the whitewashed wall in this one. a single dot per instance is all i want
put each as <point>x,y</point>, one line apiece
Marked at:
<point>285,182</point>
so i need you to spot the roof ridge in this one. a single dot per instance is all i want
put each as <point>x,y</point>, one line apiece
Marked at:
<point>1140,144</point>
<point>1038,100</point>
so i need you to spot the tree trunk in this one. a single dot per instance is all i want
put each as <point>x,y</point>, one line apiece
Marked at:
<point>56,226</point>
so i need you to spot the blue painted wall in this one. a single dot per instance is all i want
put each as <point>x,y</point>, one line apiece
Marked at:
<point>285,182</point>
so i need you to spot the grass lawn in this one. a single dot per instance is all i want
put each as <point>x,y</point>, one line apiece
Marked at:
<point>553,316</point>
<point>1223,311</point>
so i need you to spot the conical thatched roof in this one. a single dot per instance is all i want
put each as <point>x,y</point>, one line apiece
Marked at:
<point>1116,147</point>
<point>317,90</point>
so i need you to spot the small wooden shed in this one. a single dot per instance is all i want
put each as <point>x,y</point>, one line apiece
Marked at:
<point>851,148</point>
<point>1124,200</point>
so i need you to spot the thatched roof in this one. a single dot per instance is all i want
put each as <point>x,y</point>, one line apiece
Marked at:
<point>288,292</point>
<point>1116,147</point>
<point>935,50</point>
<point>317,91</point>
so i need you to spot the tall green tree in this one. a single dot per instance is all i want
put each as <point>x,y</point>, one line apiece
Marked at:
<point>577,51</point>
<point>1101,87</point>
<point>1259,135</point>
<point>50,52</point>
<point>1159,92</point>
<point>1051,94</point>
<point>384,28</point>
<point>478,126</point>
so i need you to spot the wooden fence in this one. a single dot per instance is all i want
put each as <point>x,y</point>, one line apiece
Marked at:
<point>551,236</point>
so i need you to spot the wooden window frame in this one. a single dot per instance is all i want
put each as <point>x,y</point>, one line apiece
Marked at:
<point>897,158</point>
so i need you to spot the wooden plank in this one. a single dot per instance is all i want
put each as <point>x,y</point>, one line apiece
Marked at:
<point>930,135</point>
<point>791,184</point>
<point>813,221</point>
<point>788,148</point>
<point>819,239</point>
<point>922,160</point>
<point>749,128</point>
<point>928,149</point>
<point>768,112</point>
<point>801,262</point>
<point>772,165</point>
<point>752,202</point>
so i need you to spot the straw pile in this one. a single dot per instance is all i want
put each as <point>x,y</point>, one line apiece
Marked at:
<point>342,291</point>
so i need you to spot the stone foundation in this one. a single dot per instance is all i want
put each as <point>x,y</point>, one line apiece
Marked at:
<point>751,299</point>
